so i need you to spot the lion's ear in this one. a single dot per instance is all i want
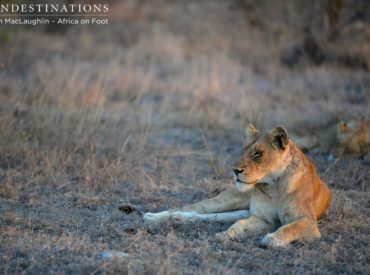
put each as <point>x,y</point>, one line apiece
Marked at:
<point>279,137</point>
<point>343,127</point>
<point>250,131</point>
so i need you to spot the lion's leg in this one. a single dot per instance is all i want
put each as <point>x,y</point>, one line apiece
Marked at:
<point>305,143</point>
<point>229,200</point>
<point>244,228</point>
<point>303,229</point>
<point>231,216</point>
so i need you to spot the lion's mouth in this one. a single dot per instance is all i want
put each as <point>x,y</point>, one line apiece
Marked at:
<point>243,182</point>
<point>243,186</point>
<point>238,180</point>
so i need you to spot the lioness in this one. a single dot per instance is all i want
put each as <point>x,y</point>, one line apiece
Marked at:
<point>317,139</point>
<point>353,139</point>
<point>341,139</point>
<point>277,183</point>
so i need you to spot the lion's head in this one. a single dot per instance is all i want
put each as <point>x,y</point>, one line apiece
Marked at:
<point>351,138</point>
<point>262,159</point>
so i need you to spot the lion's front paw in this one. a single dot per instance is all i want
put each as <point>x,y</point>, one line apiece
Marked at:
<point>156,217</point>
<point>149,217</point>
<point>227,235</point>
<point>270,240</point>
<point>222,236</point>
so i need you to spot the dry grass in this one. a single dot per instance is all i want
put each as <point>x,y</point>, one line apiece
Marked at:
<point>150,112</point>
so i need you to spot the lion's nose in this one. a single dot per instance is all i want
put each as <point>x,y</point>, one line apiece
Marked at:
<point>238,170</point>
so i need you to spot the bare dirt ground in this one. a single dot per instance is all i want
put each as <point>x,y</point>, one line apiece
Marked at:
<point>150,112</point>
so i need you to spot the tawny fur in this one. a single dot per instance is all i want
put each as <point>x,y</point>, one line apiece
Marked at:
<point>353,139</point>
<point>279,186</point>
<point>343,139</point>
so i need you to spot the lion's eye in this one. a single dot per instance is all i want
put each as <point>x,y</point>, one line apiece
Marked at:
<point>257,154</point>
